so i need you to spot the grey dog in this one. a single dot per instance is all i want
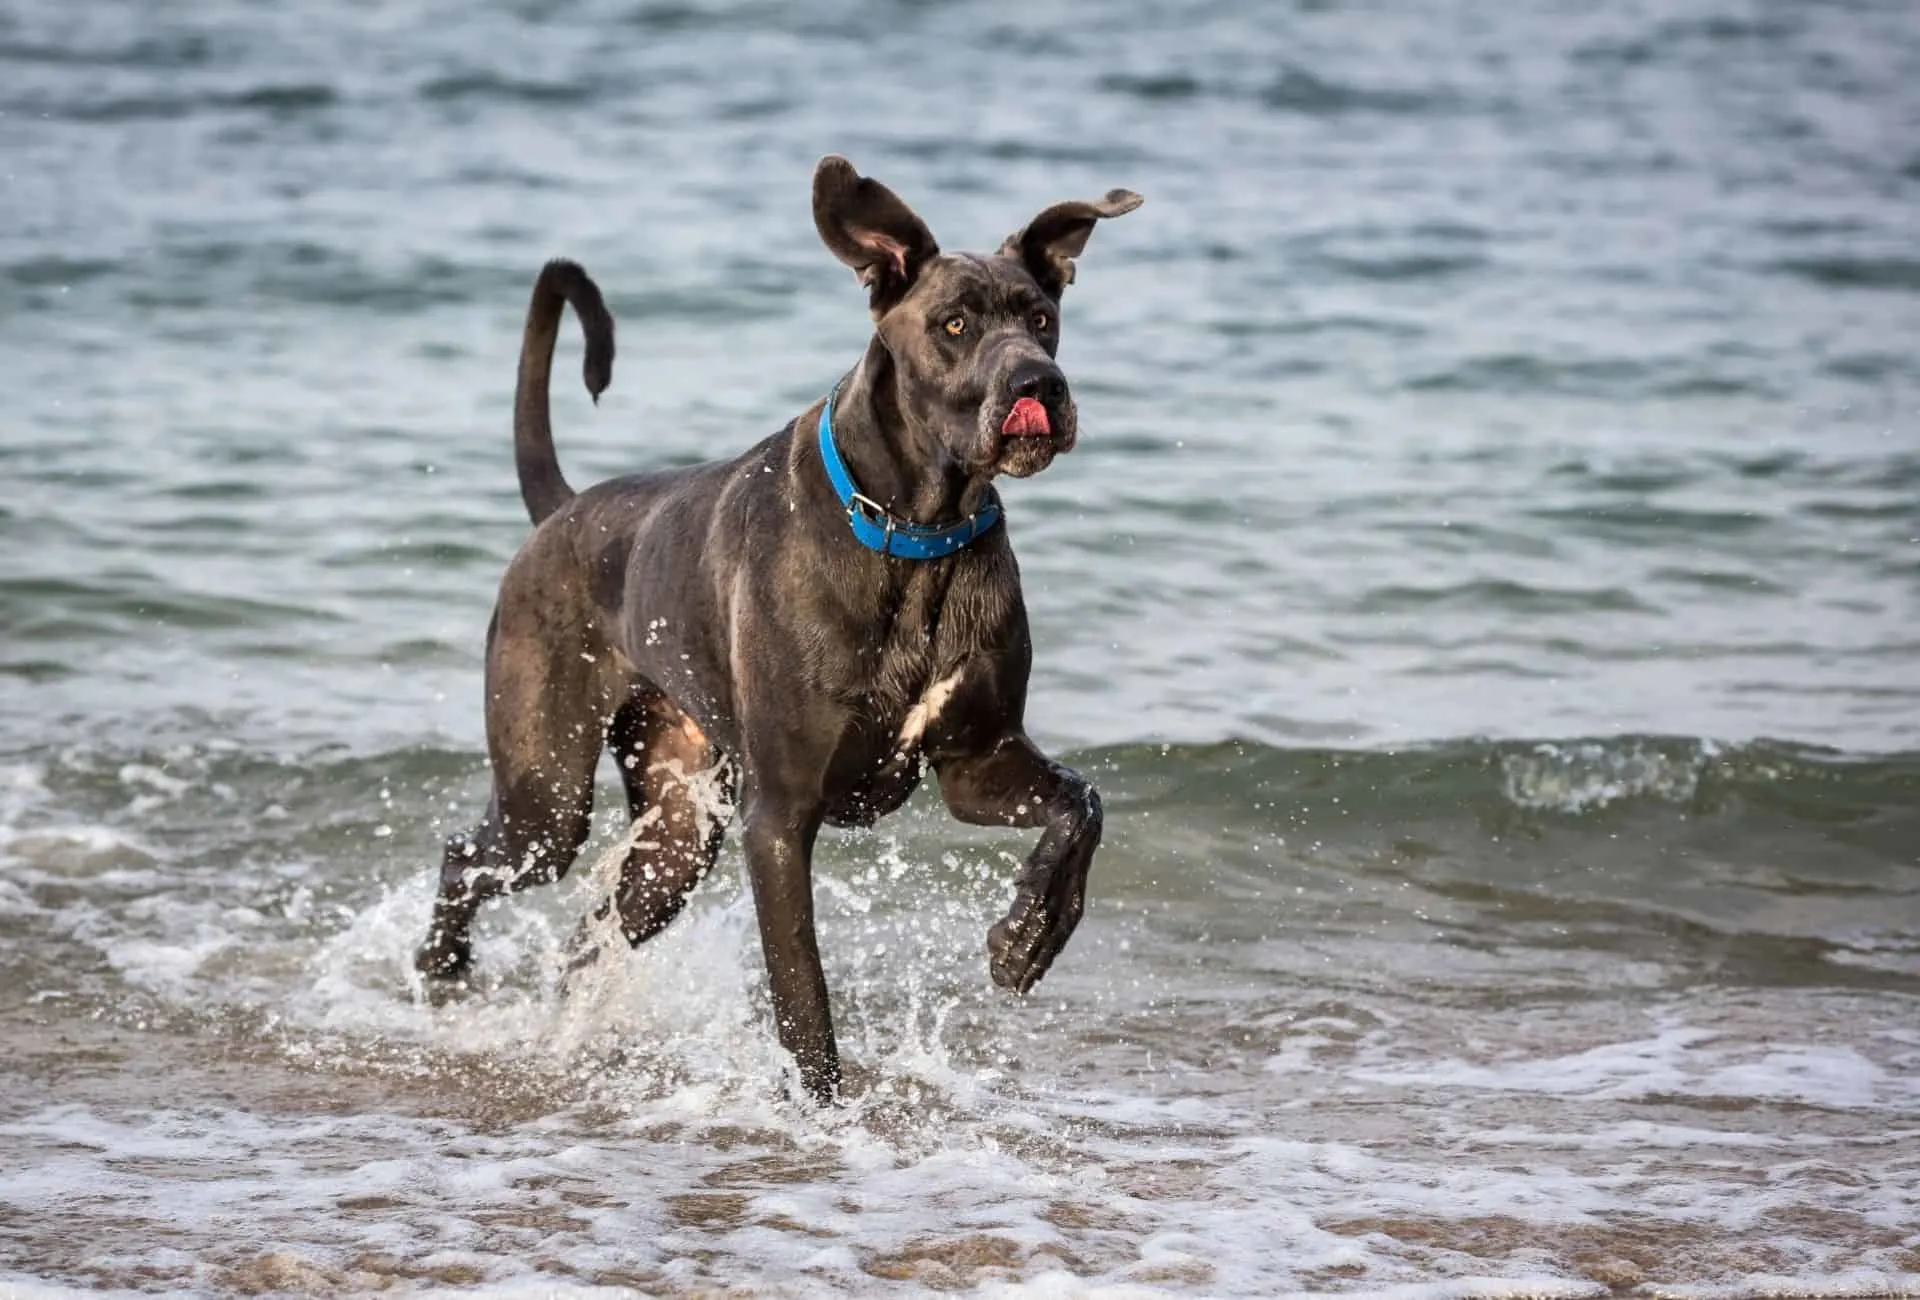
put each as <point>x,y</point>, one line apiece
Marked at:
<point>816,621</point>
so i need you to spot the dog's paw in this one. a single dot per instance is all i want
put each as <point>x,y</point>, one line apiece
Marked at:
<point>444,960</point>
<point>1023,945</point>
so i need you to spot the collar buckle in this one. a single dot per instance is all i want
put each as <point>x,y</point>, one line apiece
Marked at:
<point>876,515</point>
<point>860,503</point>
<point>899,538</point>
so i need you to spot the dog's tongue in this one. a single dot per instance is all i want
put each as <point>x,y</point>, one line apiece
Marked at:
<point>1027,419</point>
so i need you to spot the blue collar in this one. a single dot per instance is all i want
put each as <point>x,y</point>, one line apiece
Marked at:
<point>879,531</point>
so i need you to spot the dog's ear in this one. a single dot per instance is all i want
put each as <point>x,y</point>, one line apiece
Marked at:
<point>870,229</point>
<point>1053,239</point>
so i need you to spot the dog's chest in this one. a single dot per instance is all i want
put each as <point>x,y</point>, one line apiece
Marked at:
<point>898,716</point>
<point>910,683</point>
<point>925,711</point>
<point>887,765</point>
<point>922,632</point>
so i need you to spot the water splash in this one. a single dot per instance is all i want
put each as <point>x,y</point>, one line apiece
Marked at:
<point>1589,775</point>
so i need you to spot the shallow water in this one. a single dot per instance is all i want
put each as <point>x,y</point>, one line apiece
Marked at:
<point>1485,593</point>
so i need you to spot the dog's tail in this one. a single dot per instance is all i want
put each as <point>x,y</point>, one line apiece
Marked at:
<point>542,486</point>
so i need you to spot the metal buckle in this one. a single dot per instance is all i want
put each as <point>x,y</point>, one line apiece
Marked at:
<point>876,514</point>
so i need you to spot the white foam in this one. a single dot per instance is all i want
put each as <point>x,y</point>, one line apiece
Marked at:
<point>22,786</point>
<point>14,1287</point>
<point>1577,778</point>
<point>1612,1070</point>
<point>1641,1135</point>
<point>103,855</point>
<point>1816,1076</point>
<point>1479,1288</point>
<point>1678,1060</point>
<point>1863,1283</point>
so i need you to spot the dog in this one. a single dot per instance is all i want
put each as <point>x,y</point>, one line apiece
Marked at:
<point>818,621</point>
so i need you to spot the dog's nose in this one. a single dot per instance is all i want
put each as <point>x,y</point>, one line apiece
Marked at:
<point>1040,380</point>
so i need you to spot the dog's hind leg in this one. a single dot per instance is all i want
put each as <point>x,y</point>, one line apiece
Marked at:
<point>680,794</point>
<point>548,708</point>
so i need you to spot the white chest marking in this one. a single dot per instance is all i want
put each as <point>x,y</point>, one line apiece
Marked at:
<point>926,709</point>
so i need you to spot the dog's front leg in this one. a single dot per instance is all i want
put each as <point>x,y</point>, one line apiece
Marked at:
<point>779,845</point>
<point>1013,784</point>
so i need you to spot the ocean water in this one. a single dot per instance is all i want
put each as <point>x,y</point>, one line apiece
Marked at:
<point>1487,592</point>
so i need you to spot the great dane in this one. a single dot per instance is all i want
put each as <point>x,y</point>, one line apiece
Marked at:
<point>811,624</point>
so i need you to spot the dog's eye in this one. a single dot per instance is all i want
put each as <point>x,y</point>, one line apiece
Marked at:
<point>956,325</point>
<point>1040,322</point>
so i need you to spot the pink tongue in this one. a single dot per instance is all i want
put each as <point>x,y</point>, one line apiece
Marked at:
<point>1027,419</point>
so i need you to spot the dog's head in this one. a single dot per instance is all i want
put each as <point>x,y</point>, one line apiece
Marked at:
<point>972,337</point>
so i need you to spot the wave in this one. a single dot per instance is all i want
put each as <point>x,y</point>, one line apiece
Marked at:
<point>1568,779</point>
<point>495,86</point>
<point>1577,785</point>
<point>1900,274</point>
<point>272,99</point>
<point>1696,376</point>
<point>1294,90</point>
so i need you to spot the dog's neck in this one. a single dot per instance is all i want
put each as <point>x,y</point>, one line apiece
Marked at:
<point>896,459</point>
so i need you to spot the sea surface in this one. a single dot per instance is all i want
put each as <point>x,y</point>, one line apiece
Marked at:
<point>1487,593</point>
